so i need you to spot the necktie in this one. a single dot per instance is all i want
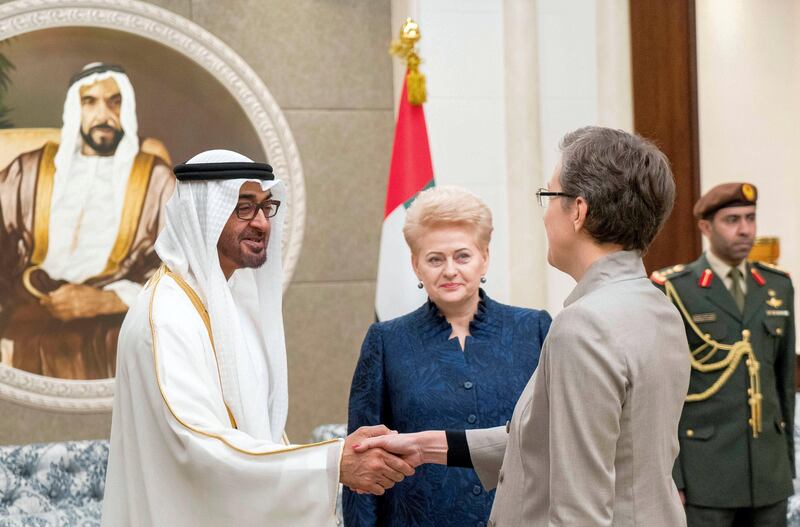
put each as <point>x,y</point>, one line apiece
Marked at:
<point>736,287</point>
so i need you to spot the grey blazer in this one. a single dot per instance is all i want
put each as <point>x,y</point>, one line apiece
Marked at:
<point>594,435</point>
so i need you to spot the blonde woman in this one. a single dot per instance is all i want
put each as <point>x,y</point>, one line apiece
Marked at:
<point>460,361</point>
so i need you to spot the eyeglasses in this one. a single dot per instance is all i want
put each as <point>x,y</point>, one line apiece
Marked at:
<point>248,210</point>
<point>543,196</point>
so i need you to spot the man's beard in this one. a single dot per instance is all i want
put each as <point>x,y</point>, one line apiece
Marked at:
<point>230,247</point>
<point>103,149</point>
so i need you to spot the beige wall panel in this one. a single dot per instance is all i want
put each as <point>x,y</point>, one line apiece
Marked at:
<point>310,53</point>
<point>346,166</point>
<point>21,424</point>
<point>325,324</point>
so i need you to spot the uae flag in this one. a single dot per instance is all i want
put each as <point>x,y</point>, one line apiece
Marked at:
<point>411,171</point>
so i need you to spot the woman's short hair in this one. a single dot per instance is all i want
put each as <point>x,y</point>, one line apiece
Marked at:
<point>447,206</point>
<point>626,181</point>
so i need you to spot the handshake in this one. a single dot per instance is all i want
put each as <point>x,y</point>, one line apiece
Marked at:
<point>375,458</point>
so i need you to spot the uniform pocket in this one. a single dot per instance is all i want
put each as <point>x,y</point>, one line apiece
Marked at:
<point>718,330</point>
<point>698,434</point>
<point>775,326</point>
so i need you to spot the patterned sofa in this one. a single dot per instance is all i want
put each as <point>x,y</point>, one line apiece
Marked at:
<point>52,484</point>
<point>61,484</point>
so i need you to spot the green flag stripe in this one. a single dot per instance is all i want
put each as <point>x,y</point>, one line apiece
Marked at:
<point>431,184</point>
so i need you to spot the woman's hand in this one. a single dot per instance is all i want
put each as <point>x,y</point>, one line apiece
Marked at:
<point>415,449</point>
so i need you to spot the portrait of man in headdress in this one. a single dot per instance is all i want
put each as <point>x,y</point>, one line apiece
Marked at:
<point>78,220</point>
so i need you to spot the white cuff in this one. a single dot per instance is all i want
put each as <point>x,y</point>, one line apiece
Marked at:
<point>126,290</point>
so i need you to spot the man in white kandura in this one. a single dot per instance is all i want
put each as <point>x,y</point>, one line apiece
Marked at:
<point>201,391</point>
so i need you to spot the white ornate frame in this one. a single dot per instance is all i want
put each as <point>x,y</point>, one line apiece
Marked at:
<point>149,21</point>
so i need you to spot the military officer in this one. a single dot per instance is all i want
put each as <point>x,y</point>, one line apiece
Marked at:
<point>736,460</point>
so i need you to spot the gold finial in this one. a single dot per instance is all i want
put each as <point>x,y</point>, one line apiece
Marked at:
<point>409,36</point>
<point>404,48</point>
<point>410,32</point>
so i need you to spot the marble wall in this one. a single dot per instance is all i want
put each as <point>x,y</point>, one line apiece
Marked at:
<point>326,64</point>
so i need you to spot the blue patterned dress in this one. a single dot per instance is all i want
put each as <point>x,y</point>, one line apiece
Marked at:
<point>411,377</point>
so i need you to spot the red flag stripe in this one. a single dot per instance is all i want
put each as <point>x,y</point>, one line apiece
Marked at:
<point>411,169</point>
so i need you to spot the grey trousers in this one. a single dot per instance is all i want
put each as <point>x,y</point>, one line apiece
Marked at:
<point>768,516</point>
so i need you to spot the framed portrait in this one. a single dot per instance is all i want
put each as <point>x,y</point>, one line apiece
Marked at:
<point>98,100</point>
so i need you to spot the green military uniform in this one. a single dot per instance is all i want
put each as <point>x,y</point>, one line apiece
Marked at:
<point>721,463</point>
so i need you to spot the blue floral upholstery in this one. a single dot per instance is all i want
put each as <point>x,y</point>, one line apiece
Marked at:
<point>52,484</point>
<point>330,431</point>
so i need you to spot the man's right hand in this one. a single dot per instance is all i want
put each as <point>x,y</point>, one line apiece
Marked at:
<point>374,470</point>
<point>416,448</point>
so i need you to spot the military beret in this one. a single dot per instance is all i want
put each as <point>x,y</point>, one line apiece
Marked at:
<point>725,195</point>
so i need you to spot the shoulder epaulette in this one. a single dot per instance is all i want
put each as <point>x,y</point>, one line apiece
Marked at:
<point>661,276</point>
<point>772,268</point>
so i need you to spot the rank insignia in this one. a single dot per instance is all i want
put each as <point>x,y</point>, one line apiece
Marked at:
<point>661,277</point>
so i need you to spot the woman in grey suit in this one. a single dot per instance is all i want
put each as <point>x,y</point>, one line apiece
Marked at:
<point>593,437</point>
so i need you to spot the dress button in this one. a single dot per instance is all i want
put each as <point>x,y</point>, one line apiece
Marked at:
<point>468,385</point>
<point>472,418</point>
<point>477,490</point>
<point>690,433</point>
